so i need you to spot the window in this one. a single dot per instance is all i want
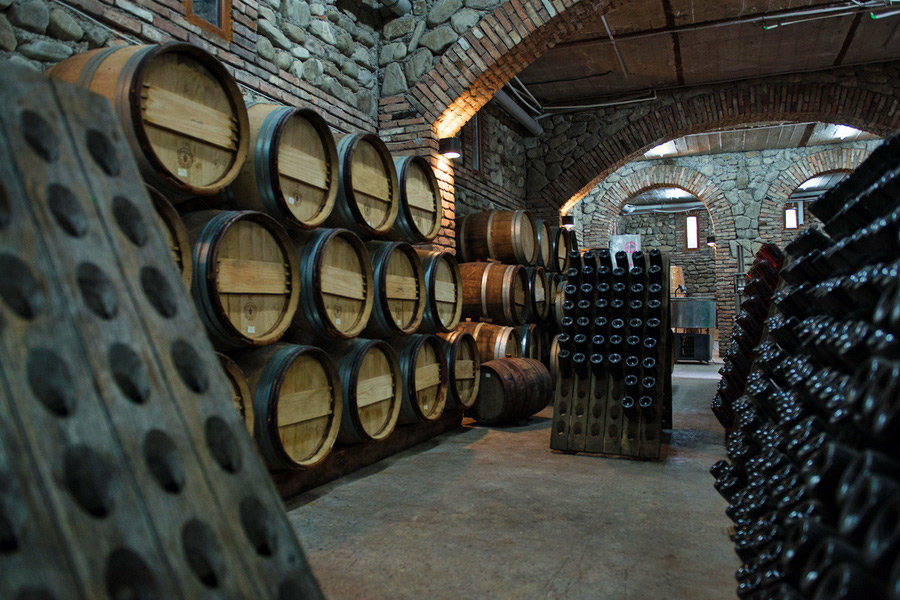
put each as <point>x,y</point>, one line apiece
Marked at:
<point>213,16</point>
<point>476,140</point>
<point>792,215</point>
<point>692,233</point>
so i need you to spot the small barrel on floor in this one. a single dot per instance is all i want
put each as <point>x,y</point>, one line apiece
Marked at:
<point>443,292</point>
<point>495,292</point>
<point>419,214</point>
<point>291,172</point>
<point>508,236</point>
<point>174,232</point>
<point>246,283</point>
<point>538,294</point>
<point>368,198</point>
<point>463,367</point>
<point>240,390</point>
<point>511,389</point>
<point>530,341</point>
<point>424,377</point>
<point>372,389</point>
<point>297,403</point>
<point>336,288</point>
<point>180,108</point>
<point>399,290</point>
<point>493,341</point>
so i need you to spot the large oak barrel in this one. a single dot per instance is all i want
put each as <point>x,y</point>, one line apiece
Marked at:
<point>559,254</point>
<point>530,341</point>
<point>553,280</point>
<point>443,292</point>
<point>336,288</point>
<point>425,377</point>
<point>419,214</point>
<point>297,402</point>
<point>544,238</point>
<point>553,361</point>
<point>175,234</point>
<point>508,236</point>
<point>368,198</point>
<point>399,290</point>
<point>291,171</point>
<point>539,295</point>
<point>246,284</point>
<point>558,312</point>
<point>494,341</point>
<point>181,110</point>
<point>463,367</point>
<point>495,292</point>
<point>372,385</point>
<point>511,389</point>
<point>240,390</point>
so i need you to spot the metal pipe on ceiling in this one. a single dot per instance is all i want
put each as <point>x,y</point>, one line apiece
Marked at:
<point>398,7</point>
<point>516,112</point>
<point>612,41</point>
<point>640,209</point>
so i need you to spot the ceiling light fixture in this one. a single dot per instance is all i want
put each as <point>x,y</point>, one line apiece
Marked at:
<point>843,132</point>
<point>450,147</point>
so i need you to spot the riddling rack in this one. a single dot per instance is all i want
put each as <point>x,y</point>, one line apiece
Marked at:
<point>615,361</point>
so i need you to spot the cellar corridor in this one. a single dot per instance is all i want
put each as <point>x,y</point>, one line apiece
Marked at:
<point>494,513</point>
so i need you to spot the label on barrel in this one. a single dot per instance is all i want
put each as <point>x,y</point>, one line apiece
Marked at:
<point>251,329</point>
<point>487,375</point>
<point>292,200</point>
<point>337,321</point>
<point>182,172</point>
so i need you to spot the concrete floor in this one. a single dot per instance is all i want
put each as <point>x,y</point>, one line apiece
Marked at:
<point>493,513</point>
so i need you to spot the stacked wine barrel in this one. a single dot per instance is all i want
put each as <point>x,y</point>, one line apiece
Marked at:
<point>298,247</point>
<point>614,355</point>
<point>813,482</point>
<point>509,264</point>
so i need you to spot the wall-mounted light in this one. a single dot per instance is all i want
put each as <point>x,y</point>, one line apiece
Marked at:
<point>711,241</point>
<point>450,147</point>
<point>567,221</point>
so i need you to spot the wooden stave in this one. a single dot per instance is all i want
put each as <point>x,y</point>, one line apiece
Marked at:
<point>405,228</point>
<point>544,241</point>
<point>346,214</point>
<point>478,303</point>
<point>526,385</point>
<point>530,340</point>
<point>348,356</point>
<point>175,234</point>
<point>559,236</point>
<point>452,342</point>
<point>313,327</point>
<point>380,324</point>
<point>558,312</point>
<point>265,369</point>
<point>257,185</point>
<point>480,230</point>
<point>431,323</point>
<point>553,360</point>
<point>238,382</point>
<point>204,228</point>
<point>128,109</point>
<point>407,349</point>
<point>494,341</point>
<point>537,277</point>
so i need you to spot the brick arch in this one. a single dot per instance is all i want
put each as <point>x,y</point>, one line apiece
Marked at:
<point>610,204</point>
<point>623,133</point>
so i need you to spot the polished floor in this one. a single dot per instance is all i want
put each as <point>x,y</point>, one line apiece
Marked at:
<point>494,513</point>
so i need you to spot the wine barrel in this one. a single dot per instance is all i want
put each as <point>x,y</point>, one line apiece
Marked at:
<point>175,235</point>
<point>425,377</point>
<point>539,295</point>
<point>443,292</point>
<point>508,236</point>
<point>494,341</point>
<point>553,280</point>
<point>544,239</point>
<point>495,292</point>
<point>372,388</point>
<point>559,256</point>
<point>573,241</point>
<point>181,110</point>
<point>530,341</point>
<point>336,288</point>
<point>291,170</point>
<point>419,214</point>
<point>553,361</point>
<point>297,402</point>
<point>399,290</point>
<point>463,367</point>
<point>368,198</point>
<point>558,304</point>
<point>240,390</point>
<point>246,283</point>
<point>511,389</point>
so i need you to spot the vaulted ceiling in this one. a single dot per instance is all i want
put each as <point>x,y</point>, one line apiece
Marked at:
<point>648,45</point>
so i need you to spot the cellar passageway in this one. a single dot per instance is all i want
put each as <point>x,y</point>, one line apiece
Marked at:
<point>494,513</point>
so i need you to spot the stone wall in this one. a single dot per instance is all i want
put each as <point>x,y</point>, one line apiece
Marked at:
<point>668,233</point>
